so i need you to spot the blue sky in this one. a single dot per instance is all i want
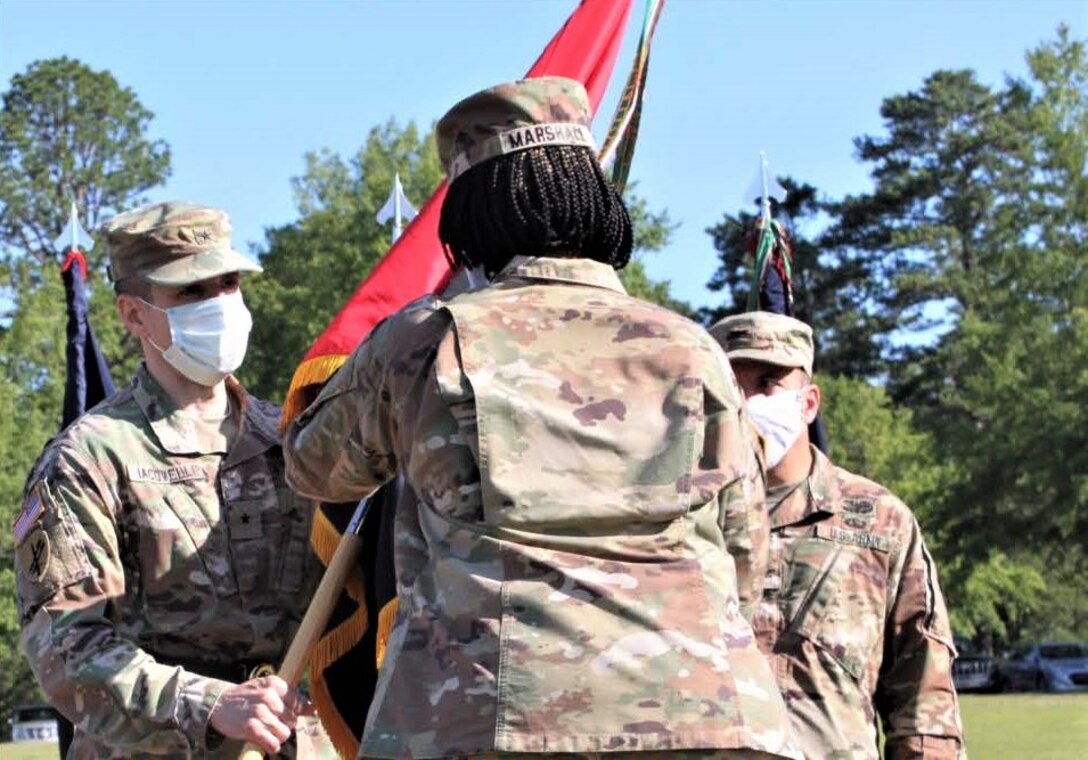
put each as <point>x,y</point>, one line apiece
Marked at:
<point>242,90</point>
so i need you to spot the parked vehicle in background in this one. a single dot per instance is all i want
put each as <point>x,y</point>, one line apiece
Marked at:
<point>973,669</point>
<point>1048,666</point>
<point>34,723</point>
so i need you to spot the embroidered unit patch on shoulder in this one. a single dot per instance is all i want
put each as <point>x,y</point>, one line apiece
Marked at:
<point>34,555</point>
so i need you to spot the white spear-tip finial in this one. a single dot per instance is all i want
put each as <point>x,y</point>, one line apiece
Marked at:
<point>398,208</point>
<point>765,187</point>
<point>73,237</point>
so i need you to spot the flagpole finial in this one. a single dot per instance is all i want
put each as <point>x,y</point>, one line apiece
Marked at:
<point>764,188</point>
<point>398,208</point>
<point>73,237</point>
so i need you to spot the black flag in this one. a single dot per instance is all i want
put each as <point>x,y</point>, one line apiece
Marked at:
<point>88,378</point>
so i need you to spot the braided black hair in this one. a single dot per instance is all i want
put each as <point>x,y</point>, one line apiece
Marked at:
<point>551,200</point>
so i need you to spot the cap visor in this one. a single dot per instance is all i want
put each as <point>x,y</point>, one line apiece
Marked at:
<point>202,266</point>
<point>764,357</point>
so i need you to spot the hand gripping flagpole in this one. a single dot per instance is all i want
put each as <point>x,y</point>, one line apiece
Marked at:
<point>320,609</point>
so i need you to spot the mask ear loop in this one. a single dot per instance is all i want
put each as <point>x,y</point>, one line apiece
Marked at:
<point>159,348</point>
<point>153,306</point>
<point>801,398</point>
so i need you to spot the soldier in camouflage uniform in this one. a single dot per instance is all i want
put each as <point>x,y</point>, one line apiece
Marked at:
<point>583,494</point>
<point>161,556</point>
<point>851,616</point>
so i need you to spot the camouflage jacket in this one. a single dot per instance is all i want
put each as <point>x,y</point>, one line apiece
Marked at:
<point>149,548</point>
<point>854,623</point>
<point>579,470</point>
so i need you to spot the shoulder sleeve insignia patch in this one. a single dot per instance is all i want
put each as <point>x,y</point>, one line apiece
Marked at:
<point>34,555</point>
<point>30,515</point>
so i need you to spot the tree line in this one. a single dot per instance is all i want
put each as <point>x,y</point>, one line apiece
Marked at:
<point>950,306</point>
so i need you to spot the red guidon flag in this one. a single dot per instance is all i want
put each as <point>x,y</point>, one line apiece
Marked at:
<point>585,49</point>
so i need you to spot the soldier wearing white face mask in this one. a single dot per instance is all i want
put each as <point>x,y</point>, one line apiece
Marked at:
<point>852,618</point>
<point>161,557</point>
<point>208,339</point>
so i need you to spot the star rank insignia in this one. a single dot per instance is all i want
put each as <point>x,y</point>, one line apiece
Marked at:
<point>245,519</point>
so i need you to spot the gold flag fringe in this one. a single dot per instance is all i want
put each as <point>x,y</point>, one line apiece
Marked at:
<point>324,537</point>
<point>385,626</point>
<point>310,373</point>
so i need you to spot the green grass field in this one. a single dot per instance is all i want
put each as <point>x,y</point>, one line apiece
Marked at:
<point>999,727</point>
<point>1026,726</point>
<point>28,751</point>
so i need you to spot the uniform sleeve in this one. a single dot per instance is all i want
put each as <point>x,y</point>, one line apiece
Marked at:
<point>341,448</point>
<point>70,583</point>
<point>915,695</point>
<point>732,446</point>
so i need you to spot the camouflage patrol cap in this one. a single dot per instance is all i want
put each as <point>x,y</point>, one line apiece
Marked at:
<point>514,116</point>
<point>172,243</point>
<point>763,336</point>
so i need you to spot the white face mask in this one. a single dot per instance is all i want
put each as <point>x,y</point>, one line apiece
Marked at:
<point>208,339</point>
<point>780,418</point>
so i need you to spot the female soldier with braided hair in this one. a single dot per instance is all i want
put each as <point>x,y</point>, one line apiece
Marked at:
<point>552,200</point>
<point>582,529</point>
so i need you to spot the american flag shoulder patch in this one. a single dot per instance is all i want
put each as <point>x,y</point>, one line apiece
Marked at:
<point>30,514</point>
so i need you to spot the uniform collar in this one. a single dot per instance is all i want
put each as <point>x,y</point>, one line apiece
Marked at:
<point>817,495</point>
<point>260,428</point>
<point>575,270</point>
<point>177,433</point>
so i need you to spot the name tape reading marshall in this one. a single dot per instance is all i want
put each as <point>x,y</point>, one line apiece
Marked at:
<point>544,134</point>
<point>522,138</point>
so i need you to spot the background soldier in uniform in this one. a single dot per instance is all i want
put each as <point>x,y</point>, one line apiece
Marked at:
<point>160,555</point>
<point>852,616</point>
<point>583,497</point>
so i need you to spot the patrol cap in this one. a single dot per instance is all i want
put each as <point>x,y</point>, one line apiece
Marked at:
<point>764,336</point>
<point>513,116</point>
<point>172,243</point>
